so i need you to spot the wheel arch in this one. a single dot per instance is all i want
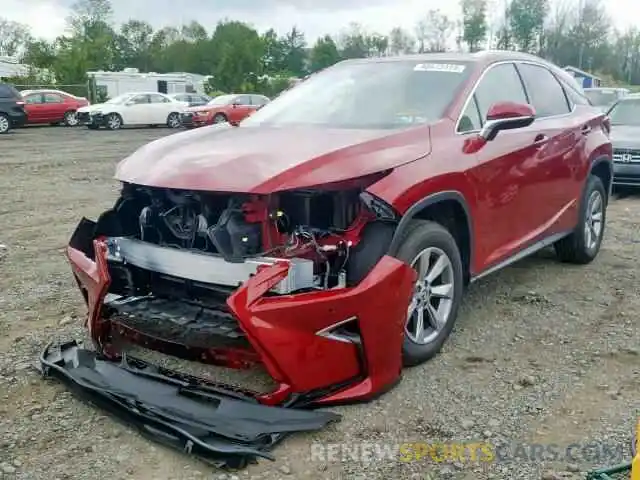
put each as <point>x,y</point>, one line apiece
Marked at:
<point>602,167</point>
<point>451,210</point>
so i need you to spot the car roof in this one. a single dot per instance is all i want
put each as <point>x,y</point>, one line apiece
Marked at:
<point>484,57</point>
<point>45,90</point>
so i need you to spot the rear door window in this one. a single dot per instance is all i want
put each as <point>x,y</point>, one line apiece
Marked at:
<point>34,99</point>
<point>545,92</point>
<point>53,98</point>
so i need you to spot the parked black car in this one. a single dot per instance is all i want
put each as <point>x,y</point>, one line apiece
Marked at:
<point>12,113</point>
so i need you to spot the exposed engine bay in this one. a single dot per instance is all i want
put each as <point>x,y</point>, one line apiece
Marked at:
<point>234,235</point>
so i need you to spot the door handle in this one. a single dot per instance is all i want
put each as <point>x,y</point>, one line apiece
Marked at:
<point>540,139</point>
<point>586,129</point>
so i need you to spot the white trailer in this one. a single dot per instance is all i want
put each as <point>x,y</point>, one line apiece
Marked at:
<point>131,80</point>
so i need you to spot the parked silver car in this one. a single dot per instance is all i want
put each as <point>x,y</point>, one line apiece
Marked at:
<point>605,97</point>
<point>624,116</point>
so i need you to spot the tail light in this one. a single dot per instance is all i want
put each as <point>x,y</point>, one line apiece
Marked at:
<point>20,103</point>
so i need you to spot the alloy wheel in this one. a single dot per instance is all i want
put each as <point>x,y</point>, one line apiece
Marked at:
<point>432,301</point>
<point>114,122</point>
<point>174,121</point>
<point>4,124</point>
<point>593,220</point>
<point>71,119</point>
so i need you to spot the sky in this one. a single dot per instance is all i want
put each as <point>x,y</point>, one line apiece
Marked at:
<point>315,17</point>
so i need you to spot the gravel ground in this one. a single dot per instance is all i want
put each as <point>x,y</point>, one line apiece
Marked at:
<point>543,353</point>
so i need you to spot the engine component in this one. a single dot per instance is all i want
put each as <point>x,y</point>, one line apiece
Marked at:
<point>233,237</point>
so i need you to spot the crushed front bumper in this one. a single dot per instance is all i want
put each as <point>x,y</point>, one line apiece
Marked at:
<point>192,120</point>
<point>298,338</point>
<point>182,412</point>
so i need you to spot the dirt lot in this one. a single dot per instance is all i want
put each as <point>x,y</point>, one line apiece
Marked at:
<point>543,353</point>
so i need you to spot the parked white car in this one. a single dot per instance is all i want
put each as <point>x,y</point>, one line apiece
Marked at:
<point>137,108</point>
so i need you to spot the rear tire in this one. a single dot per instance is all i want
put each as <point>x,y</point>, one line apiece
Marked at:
<point>71,119</point>
<point>583,245</point>
<point>5,124</point>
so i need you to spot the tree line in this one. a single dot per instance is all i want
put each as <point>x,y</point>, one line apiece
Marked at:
<point>240,59</point>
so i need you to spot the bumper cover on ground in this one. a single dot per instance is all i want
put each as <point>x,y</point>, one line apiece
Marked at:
<point>223,429</point>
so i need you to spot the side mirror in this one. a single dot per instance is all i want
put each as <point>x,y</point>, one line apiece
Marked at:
<point>506,116</point>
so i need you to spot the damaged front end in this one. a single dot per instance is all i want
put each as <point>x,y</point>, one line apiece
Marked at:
<point>288,281</point>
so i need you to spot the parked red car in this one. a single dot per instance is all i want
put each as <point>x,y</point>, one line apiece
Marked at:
<point>222,109</point>
<point>52,106</point>
<point>330,236</point>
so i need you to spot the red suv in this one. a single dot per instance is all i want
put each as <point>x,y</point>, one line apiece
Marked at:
<point>330,236</point>
<point>52,106</point>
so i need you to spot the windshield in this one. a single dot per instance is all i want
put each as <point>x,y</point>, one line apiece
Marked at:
<point>626,112</point>
<point>368,95</point>
<point>602,98</point>
<point>120,98</point>
<point>222,100</point>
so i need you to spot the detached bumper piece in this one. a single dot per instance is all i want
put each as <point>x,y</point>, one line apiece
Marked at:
<point>619,472</point>
<point>225,429</point>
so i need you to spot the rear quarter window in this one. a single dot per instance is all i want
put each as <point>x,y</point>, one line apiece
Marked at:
<point>7,91</point>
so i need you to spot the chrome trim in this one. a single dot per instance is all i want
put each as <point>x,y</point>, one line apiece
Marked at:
<point>326,332</point>
<point>490,125</point>
<point>481,77</point>
<point>536,246</point>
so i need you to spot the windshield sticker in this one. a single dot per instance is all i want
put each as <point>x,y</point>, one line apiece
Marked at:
<point>439,67</point>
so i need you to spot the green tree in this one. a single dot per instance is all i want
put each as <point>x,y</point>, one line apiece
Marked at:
<point>526,23</point>
<point>238,51</point>
<point>400,42</point>
<point>324,53</point>
<point>135,44</point>
<point>474,23</point>
<point>437,28</point>
<point>354,42</point>
<point>273,60</point>
<point>295,55</point>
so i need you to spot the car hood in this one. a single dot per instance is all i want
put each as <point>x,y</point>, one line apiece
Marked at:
<point>266,159</point>
<point>625,136</point>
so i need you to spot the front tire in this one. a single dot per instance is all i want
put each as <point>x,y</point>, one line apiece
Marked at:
<point>220,118</point>
<point>582,246</point>
<point>114,121</point>
<point>433,252</point>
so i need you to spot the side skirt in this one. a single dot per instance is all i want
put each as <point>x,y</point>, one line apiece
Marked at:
<point>527,251</point>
